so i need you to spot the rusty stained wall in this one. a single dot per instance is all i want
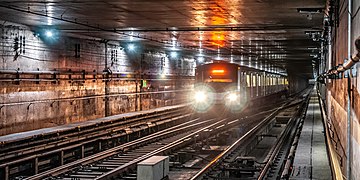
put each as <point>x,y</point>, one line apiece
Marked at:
<point>24,109</point>
<point>337,90</point>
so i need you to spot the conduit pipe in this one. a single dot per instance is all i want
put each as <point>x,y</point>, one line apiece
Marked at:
<point>107,82</point>
<point>346,66</point>
<point>353,59</point>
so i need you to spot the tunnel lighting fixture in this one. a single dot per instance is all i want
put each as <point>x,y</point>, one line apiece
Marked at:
<point>312,48</point>
<point>314,55</point>
<point>163,75</point>
<point>48,33</point>
<point>201,59</point>
<point>131,47</point>
<point>173,54</point>
<point>313,32</point>
<point>131,36</point>
<point>309,10</point>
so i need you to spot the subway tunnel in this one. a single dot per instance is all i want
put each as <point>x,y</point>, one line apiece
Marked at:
<point>216,89</point>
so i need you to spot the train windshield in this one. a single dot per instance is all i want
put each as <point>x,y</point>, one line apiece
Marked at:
<point>220,83</point>
<point>220,76</point>
<point>220,87</point>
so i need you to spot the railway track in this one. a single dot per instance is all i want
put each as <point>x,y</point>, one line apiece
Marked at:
<point>135,143</point>
<point>36,154</point>
<point>233,162</point>
<point>121,161</point>
<point>115,161</point>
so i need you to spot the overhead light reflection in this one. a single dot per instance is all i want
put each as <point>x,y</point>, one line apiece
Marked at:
<point>49,13</point>
<point>132,36</point>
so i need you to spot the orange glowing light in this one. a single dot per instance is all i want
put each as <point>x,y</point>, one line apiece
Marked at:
<point>218,71</point>
<point>218,38</point>
<point>219,80</point>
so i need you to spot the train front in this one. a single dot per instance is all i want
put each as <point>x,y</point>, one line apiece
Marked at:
<point>217,87</point>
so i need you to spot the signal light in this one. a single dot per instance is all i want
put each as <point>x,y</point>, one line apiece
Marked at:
<point>218,71</point>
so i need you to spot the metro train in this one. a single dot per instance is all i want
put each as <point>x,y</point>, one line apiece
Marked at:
<point>221,83</point>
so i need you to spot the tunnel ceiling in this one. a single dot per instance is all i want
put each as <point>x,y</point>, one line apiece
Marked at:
<point>266,33</point>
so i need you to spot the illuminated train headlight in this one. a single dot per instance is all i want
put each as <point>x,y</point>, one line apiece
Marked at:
<point>200,96</point>
<point>232,97</point>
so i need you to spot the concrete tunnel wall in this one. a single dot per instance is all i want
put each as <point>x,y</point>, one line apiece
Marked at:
<point>39,54</point>
<point>336,91</point>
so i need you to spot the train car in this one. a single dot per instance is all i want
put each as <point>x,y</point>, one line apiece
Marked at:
<point>229,85</point>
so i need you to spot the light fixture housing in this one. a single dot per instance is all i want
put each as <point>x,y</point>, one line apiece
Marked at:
<point>310,10</point>
<point>49,33</point>
<point>173,54</point>
<point>201,59</point>
<point>131,47</point>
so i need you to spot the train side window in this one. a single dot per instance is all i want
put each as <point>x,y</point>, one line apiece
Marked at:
<point>266,81</point>
<point>247,80</point>
<point>254,80</point>
<point>274,81</point>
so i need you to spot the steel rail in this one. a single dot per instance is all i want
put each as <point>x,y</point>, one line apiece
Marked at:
<point>58,150</point>
<point>117,171</point>
<point>292,123</point>
<point>87,132</point>
<point>218,159</point>
<point>275,150</point>
<point>113,151</point>
<point>80,133</point>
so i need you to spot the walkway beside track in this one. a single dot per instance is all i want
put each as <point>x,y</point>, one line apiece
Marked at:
<point>65,127</point>
<point>311,158</point>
